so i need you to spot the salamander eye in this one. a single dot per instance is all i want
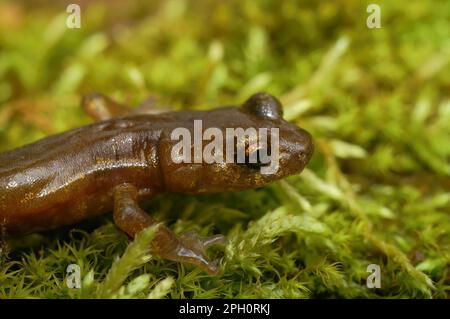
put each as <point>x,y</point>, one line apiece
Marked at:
<point>253,159</point>
<point>264,105</point>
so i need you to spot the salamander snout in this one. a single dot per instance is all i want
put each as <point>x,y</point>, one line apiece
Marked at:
<point>296,149</point>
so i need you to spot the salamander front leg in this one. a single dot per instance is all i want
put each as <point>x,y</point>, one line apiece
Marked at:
<point>101,108</point>
<point>189,247</point>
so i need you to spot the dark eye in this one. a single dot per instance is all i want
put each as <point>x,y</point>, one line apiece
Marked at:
<point>253,160</point>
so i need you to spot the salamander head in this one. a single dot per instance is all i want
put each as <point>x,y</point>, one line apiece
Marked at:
<point>232,149</point>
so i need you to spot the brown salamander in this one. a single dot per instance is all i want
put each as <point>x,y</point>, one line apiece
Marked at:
<point>115,163</point>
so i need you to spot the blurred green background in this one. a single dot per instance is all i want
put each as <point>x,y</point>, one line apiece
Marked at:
<point>376,101</point>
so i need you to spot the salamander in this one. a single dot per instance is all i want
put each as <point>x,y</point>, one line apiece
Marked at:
<point>125,158</point>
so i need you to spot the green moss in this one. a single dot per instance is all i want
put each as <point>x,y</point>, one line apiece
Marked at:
<point>375,100</point>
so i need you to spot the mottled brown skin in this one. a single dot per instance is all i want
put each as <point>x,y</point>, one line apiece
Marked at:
<point>114,164</point>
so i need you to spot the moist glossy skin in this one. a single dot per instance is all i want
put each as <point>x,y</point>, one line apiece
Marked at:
<point>118,162</point>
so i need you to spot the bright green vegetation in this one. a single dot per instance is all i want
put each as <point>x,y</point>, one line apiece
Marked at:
<point>376,100</point>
